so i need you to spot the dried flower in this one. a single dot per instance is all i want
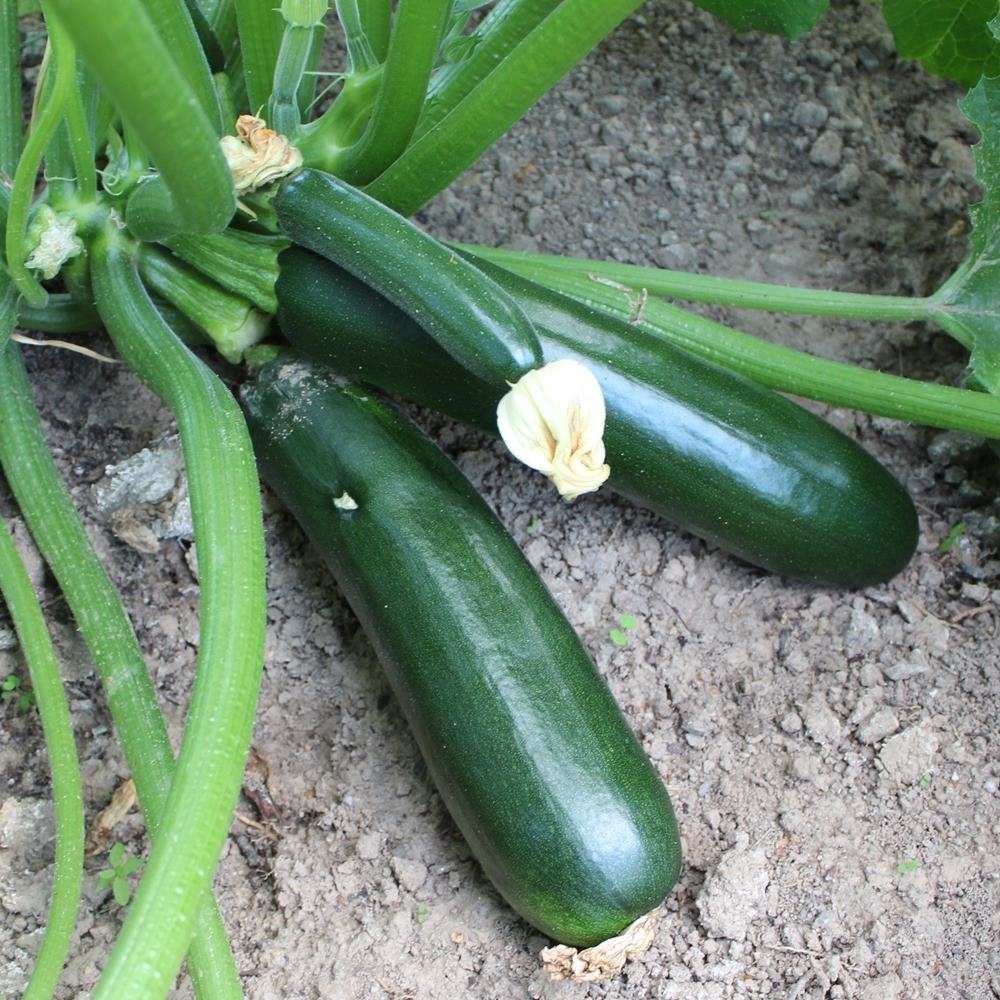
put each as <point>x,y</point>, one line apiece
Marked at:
<point>55,241</point>
<point>257,155</point>
<point>553,420</point>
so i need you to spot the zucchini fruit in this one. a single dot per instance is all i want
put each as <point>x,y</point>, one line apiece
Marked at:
<point>461,308</point>
<point>524,741</point>
<point>709,450</point>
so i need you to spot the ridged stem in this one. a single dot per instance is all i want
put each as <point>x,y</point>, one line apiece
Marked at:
<point>720,291</point>
<point>260,29</point>
<point>537,63</point>
<point>63,542</point>
<point>498,34</point>
<point>225,504</point>
<point>783,368</point>
<point>416,34</point>
<point>10,88</point>
<point>67,793</point>
<point>194,189</point>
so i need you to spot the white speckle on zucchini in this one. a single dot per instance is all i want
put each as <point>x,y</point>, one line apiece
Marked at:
<point>345,502</point>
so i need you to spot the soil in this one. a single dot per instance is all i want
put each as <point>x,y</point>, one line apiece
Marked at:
<point>832,755</point>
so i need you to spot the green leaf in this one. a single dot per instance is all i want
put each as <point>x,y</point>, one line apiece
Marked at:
<point>121,890</point>
<point>106,877</point>
<point>951,38</point>
<point>779,17</point>
<point>909,865</point>
<point>116,854</point>
<point>618,637</point>
<point>968,304</point>
<point>953,536</point>
<point>627,622</point>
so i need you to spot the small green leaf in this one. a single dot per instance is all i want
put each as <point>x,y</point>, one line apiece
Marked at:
<point>121,890</point>
<point>131,865</point>
<point>627,622</point>
<point>925,781</point>
<point>952,537</point>
<point>105,878</point>
<point>618,637</point>
<point>780,17</point>
<point>421,912</point>
<point>909,865</point>
<point>533,526</point>
<point>951,38</point>
<point>116,855</point>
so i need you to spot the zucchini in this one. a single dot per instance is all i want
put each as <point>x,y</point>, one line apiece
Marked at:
<point>709,450</point>
<point>466,312</point>
<point>524,741</point>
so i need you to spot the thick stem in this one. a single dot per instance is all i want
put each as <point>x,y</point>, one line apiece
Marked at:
<point>500,32</point>
<point>718,291</point>
<point>244,263</point>
<point>96,607</point>
<point>376,22</point>
<point>260,28</point>
<point>230,322</point>
<point>416,34</point>
<point>537,63</point>
<point>57,726</point>
<point>225,503</point>
<point>782,368</point>
<point>10,88</point>
<point>66,789</point>
<point>194,189</point>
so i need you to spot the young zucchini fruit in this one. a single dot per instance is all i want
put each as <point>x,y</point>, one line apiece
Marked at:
<point>467,313</point>
<point>711,451</point>
<point>524,741</point>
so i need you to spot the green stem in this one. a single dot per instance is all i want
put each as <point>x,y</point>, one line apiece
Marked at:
<point>225,503</point>
<point>10,88</point>
<point>58,729</point>
<point>180,37</point>
<point>506,25</point>
<point>60,314</point>
<point>244,263</point>
<point>260,27</point>
<point>343,123</point>
<point>231,323</point>
<point>719,291</point>
<point>361,55</point>
<point>194,189</point>
<point>376,23</point>
<point>221,16</point>
<point>66,789</point>
<point>51,108</point>
<point>94,602</point>
<point>413,46</point>
<point>537,63</point>
<point>782,368</point>
<point>294,57</point>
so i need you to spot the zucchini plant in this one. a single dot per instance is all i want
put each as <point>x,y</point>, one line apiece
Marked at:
<point>153,219</point>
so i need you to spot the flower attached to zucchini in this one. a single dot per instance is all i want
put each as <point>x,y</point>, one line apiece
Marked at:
<point>257,155</point>
<point>553,420</point>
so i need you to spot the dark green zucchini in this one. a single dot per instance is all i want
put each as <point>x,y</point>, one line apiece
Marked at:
<point>522,737</point>
<point>462,309</point>
<point>708,449</point>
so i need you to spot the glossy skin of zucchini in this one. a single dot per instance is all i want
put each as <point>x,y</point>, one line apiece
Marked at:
<point>707,449</point>
<point>520,734</point>
<point>465,311</point>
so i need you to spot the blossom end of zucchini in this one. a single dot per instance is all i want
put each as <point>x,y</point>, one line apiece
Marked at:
<point>552,420</point>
